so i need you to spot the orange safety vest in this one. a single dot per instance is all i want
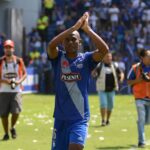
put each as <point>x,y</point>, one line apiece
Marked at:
<point>140,90</point>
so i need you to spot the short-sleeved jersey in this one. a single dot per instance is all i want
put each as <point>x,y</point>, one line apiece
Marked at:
<point>71,77</point>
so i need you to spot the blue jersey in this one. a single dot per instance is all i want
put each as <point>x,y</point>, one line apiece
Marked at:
<point>71,77</point>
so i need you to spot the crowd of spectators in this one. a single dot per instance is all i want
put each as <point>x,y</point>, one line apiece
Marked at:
<point>123,24</point>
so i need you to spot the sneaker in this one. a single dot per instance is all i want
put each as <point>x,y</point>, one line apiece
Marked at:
<point>6,137</point>
<point>13,133</point>
<point>141,145</point>
<point>107,122</point>
<point>103,123</point>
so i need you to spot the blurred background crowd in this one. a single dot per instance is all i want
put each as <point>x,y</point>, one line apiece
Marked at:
<point>123,24</point>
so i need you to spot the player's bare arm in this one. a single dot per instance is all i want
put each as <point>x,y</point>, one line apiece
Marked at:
<point>102,47</point>
<point>52,47</point>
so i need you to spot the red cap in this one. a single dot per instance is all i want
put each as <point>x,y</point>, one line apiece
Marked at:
<point>9,43</point>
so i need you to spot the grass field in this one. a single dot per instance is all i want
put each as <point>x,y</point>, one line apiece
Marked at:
<point>35,126</point>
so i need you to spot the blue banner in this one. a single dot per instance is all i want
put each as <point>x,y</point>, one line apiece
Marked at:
<point>31,83</point>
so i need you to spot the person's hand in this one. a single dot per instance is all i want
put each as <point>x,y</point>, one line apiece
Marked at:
<point>145,77</point>
<point>85,27</point>
<point>8,81</point>
<point>80,22</point>
<point>121,80</point>
<point>17,82</point>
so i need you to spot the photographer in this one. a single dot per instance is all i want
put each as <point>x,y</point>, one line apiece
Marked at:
<point>12,74</point>
<point>139,79</point>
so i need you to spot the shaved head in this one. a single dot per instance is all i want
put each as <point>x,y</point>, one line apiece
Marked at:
<point>76,34</point>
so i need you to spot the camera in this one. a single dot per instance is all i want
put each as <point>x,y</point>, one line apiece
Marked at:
<point>145,77</point>
<point>13,83</point>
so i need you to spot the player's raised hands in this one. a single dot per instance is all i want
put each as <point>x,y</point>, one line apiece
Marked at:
<point>85,26</point>
<point>81,21</point>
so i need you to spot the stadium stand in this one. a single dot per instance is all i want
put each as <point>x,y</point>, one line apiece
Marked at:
<point>124,25</point>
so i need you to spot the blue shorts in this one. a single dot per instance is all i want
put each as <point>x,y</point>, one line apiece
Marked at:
<point>67,132</point>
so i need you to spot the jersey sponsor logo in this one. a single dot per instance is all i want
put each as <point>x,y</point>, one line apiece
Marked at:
<point>10,75</point>
<point>70,77</point>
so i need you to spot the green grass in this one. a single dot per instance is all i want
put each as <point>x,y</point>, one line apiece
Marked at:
<point>35,126</point>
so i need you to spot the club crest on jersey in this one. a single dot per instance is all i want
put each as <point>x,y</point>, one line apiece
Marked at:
<point>70,77</point>
<point>65,64</point>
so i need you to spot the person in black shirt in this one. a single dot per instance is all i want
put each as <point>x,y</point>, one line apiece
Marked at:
<point>107,77</point>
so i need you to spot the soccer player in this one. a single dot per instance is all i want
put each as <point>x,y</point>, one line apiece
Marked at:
<point>71,75</point>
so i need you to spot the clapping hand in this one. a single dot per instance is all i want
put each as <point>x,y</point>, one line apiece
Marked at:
<point>81,23</point>
<point>85,27</point>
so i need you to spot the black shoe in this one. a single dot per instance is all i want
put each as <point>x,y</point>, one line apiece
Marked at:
<point>141,145</point>
<point>6,137</point>
<point>13,133</point>
<point>107,122</point>
<point>103,123</point>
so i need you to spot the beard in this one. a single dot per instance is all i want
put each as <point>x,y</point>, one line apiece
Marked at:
<point>8,53</point>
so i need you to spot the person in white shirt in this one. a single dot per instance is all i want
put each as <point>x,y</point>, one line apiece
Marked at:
<point>114,14</point>
<point>12,74</point>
